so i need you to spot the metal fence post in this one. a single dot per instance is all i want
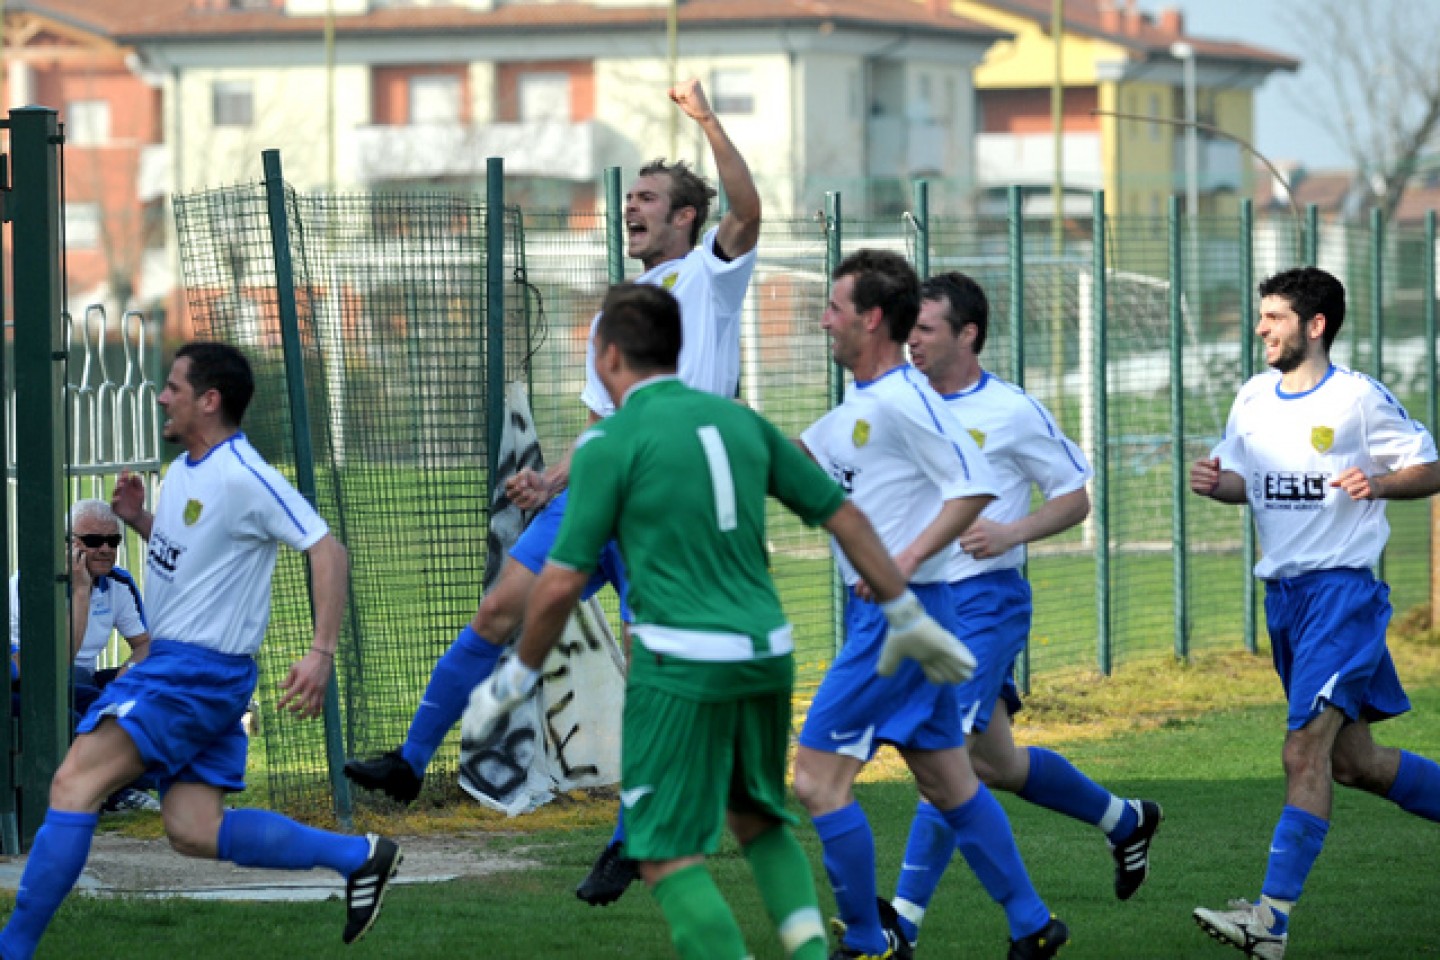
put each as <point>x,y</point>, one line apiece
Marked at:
<point>494,311</point>
<point>838,590</point>
<point>304,446</point>
<point>614,227</point>
<point>1179,547</point>
<point>1016,235</point>
<point>1102,441</point>
<point>9,821</point>
<point>1247,370</point>
<point>1312,235</point>
<point>36,215</point>
<point>1432,404</point>
<point>1377,314</point>
<point>920,201</point>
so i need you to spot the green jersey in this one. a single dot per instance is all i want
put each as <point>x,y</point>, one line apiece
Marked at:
<point>679,478</point>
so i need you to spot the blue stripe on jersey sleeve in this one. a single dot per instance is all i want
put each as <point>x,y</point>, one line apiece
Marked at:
<point>123,576</point>
<point>266,484</point>
<point>965,466</point>
<point>1054,431</point>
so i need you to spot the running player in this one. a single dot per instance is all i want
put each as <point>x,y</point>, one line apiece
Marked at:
<point>1316,450</point>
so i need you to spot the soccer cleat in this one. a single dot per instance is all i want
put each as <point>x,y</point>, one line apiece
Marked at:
<point>891,951</point>
<point>129,800</point>
<point>390,773</point>
<point>1246,927</point>
<point>1132,855</point>
<point>897,946</point>
<point>1042,944</point>
<point>609,878</point>
<point>365,890</point>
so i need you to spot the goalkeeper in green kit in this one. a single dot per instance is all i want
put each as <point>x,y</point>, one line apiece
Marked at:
<point>679,479</point>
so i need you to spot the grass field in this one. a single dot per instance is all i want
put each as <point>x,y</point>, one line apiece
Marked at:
<point>1202,739</point>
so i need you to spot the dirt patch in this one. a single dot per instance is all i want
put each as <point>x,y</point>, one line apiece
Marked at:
<point>130,865</point>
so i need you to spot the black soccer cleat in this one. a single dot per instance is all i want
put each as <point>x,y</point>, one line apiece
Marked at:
<point>389,773</point>
<point>1132,855</point>
<point>1042,944</point>
<point>365,890</point>
<point>890,923</point>
<point>609,878</point>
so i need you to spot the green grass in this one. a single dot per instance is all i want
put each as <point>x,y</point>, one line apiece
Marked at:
<point>1216,772</point>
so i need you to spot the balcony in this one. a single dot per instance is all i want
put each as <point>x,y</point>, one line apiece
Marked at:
<point>1003,159</point>
<point>545,148</point>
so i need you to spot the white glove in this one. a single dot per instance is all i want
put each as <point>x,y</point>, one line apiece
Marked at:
<point>914,634</point>
<point>492,700</point>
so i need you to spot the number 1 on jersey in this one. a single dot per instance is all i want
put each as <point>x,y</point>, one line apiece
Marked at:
<point>721,482</point>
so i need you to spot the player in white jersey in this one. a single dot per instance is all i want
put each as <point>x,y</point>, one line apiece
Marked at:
<point>1316,450</point>
<point>212,542</point>
<point>921,481</point>
<point>665,211</point>
<point>1027,450</point>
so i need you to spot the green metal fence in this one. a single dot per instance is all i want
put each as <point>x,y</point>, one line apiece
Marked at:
<point>1135,332</point>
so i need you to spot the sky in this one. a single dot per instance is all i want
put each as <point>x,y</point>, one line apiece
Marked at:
<point>1282,131</point>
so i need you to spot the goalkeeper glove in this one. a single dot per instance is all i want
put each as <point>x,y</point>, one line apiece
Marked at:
<point>493,699</point>
<point>914,634</point>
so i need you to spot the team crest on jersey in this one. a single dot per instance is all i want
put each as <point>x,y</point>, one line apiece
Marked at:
<point>670,280</point>
<point>1322,438</point>
<point>978,436</point>
<point>861,434</point>
<point>192,512</point>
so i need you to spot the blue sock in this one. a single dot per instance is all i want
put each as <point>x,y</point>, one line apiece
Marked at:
<point>469,660</point>
<point>927,854</point>
<point>983,834</point>
<point>259,838</point>
<point>1417,786</point>
<point>1056,784</point>
<point>1298,839</point>
<point>61,847</point>
<point>619,835</point>
<point>849,855</point>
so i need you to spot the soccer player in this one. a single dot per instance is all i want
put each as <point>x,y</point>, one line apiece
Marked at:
<point>665,210</point>
<point>1317,449</point>
<point>1026,449</point>
<point>922,482</point>
<point>679,478</point>
<point>220,515</point>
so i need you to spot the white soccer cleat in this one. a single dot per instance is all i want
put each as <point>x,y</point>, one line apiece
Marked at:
<point>1245,926</point>
<point>915,635</point>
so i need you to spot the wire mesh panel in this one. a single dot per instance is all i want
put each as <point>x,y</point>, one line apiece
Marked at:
<point>392,308</point>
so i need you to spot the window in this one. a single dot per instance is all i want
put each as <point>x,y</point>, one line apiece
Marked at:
<point>733,92</point>
<point>232,103</point>
<point>82,225</point>
<point>88,123</point>
<point>544,96</point>
<point>434,99</point>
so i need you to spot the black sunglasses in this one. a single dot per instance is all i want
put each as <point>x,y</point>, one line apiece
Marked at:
<point>97,540</point>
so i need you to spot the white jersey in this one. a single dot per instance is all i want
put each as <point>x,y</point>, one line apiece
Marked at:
<point>711,293</point>
<point>1290,447</point>
<point>1019,438</point>
<point>211,557</point>
<point>114,605</point>
<point>899,454</point>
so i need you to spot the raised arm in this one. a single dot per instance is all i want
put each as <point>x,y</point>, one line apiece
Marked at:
<point>128,502</point>
<point>739,229</point>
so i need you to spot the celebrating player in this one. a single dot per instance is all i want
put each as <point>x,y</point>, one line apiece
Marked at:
<point>1025,447</point>
<point>665,211</point>
<point>221,513</point>
<point>679,479</point>
<point>921,480</point>
<point>1316,450</point>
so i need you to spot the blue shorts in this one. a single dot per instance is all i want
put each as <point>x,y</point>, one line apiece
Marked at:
<point>993,611</point>
<point>856,709</point>
<point>533,547</point>
<point>1327,635</point>
<point>182,706</point>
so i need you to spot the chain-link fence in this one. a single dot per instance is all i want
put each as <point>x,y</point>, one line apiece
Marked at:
<point>1135,333</point>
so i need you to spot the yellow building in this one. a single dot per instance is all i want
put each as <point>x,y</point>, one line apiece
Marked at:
<point>1116,59</point>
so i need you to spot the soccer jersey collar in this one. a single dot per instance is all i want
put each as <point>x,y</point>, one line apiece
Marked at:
<point>901,369</point>
<point>1329,372</point>
<point>649,382</point>
<point>979,385</point>
<point>237,435</point>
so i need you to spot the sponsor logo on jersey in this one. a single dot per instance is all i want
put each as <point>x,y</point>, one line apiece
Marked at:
<point>163,555</point>
<point>193,509</point>
<point>1322,438</point>
<point>978,436</point>
<point>1294,490</point>
<point>861,434</point>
